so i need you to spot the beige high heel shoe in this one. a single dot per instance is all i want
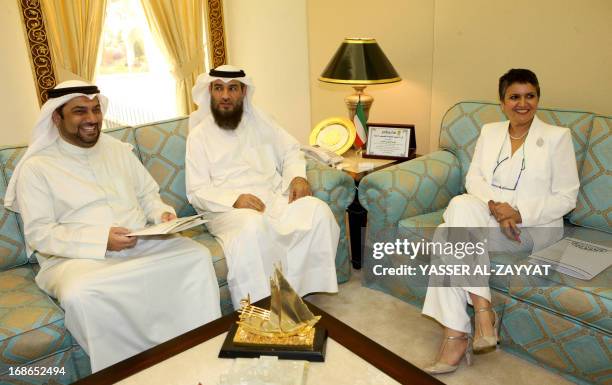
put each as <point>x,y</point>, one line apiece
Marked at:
<point>482,343</point>
<point>442,367</point>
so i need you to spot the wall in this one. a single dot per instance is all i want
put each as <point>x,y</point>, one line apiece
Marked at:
<point>404,31</point>
<point>445,51</point>
<point>18,102</point>
<point>268,38</point>
<point>566,43</point>
<point>448,50</point>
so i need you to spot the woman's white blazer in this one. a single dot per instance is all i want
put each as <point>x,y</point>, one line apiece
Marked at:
<point>548,186</point>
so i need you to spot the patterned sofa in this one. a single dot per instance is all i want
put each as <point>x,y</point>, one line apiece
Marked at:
<point>559,322</point>
<point>32,332</point>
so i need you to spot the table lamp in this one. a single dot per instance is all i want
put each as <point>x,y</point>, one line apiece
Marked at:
<point>359,62</point>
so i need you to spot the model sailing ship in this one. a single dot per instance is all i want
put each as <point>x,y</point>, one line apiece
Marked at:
<point>289,322</point>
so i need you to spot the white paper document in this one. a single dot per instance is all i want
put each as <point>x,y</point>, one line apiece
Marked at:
<point>170,227</point>
<point>576,258</point>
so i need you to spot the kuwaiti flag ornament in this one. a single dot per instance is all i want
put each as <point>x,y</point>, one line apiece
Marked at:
<point>360,126</point>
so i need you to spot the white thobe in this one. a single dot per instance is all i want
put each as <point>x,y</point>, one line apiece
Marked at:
<point>116,304</point>
<point>260,158</point>
<point>448,304</point>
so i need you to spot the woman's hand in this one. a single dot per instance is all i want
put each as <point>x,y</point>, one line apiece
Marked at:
<point>503,211</point>
<point>510,229</point>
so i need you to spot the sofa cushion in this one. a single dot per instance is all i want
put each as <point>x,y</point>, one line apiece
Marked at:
<point>32,325</point>
<point>589,302</point>
<point>547,337</point>
<point>125,134</point>
<point>578,122</point>
<point>226,300</point>
<point>12,249</point>
<point>75,364</point>
<point>594,205</point>
<point>461,127</point>
<point>433,219</point>
<point>162,147</point>
<point>422,226</point>
<point>462,123</point>
<point>199,234</point>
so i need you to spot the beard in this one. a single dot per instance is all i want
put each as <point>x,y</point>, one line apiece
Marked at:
<point>92,138</point>
<point>85,136</point>
<point>227,120</point>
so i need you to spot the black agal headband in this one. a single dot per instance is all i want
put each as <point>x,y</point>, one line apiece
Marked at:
<point>226,74</point>
<point>87,90</point>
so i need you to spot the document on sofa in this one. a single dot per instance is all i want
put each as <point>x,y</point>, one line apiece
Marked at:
<point>577,258</point>
<point>170,227</point>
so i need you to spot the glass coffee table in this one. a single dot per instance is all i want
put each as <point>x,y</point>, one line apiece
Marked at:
<point>192,358</point>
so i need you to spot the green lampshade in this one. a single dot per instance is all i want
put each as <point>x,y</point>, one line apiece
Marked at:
<point>359,61</point>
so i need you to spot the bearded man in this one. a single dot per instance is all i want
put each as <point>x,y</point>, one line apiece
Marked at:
<point>79,192</point>
<point>250,175</point>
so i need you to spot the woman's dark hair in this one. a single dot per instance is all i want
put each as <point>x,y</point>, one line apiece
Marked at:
<point>517,75</point>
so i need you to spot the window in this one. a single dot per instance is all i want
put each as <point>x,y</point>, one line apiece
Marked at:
<point>132,70</point>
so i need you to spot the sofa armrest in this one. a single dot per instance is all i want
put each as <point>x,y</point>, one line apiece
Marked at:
<point>337,189</point>
<point>416,187</point>
<point>334,187</point>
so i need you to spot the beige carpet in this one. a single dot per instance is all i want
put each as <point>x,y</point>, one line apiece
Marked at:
<point>401,328</point>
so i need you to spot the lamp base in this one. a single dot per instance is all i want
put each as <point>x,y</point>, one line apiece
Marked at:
<point>352,100</point>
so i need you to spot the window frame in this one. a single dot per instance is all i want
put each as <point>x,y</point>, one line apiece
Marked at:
<point>40,52</point>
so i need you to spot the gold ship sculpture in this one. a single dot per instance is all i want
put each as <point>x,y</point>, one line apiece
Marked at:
<point>288,323</point>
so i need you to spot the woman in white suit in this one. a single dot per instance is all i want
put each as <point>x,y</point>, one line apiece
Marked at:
<point>522,177</point>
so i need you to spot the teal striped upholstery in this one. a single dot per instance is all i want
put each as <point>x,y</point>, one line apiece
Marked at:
<point>125,134</point>
<point>594,206</point>
<point>572,349</point>
<point>337,189</point>
<point>74,362</point>
<point>32,325</point>
<point>461,127</point>
<point>462,122</point>
<point>585,302</point>
<point>12,246</point>
<point>162,147</point>
<point>420,222</point>
<point>202,236</point>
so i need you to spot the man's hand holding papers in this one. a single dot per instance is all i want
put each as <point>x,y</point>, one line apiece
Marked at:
<point>119,239</point>
<point>170,227</point>
<point>166,217</point>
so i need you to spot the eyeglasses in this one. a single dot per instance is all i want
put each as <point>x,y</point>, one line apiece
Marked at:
<point>502,161</point>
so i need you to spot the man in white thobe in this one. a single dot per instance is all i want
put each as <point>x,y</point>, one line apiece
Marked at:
<point>79,192</point>
<point>250,175</point>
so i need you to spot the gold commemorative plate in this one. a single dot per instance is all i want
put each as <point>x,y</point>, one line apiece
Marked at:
<point>334,134</point>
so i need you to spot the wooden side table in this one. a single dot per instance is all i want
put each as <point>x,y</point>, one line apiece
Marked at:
<point>357,215</point>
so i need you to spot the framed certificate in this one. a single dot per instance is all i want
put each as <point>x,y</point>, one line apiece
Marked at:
<point>390,141</point>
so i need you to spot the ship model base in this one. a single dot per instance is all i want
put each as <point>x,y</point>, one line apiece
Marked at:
<point>241,344</point>
<point>243,337</point>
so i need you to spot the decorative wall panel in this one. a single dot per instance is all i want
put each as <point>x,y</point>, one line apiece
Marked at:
<point>216,33</point>
<point>36,35</point>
